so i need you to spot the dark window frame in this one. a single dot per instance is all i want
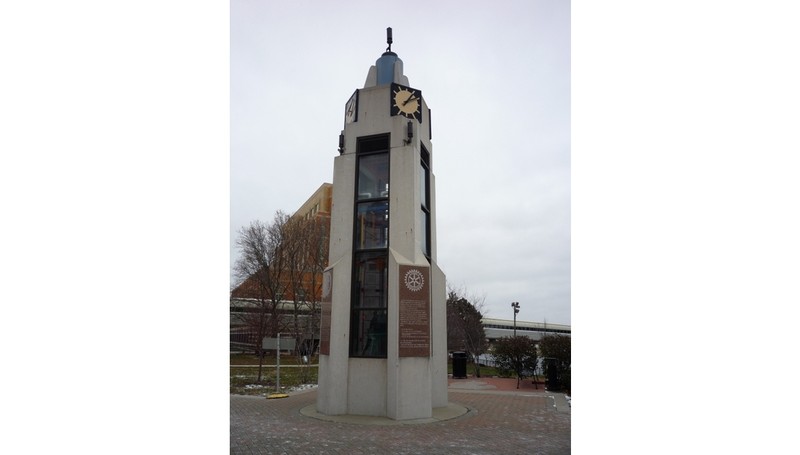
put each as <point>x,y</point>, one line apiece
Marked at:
<point>361,345</point>
<point>425,199</point>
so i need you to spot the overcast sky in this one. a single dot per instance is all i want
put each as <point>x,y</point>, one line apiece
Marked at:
<point>497,80</point>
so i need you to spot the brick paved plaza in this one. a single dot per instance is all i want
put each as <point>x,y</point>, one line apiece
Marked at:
<point>497,422</point>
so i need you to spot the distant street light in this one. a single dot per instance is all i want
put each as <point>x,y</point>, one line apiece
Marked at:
<point>515,306</point>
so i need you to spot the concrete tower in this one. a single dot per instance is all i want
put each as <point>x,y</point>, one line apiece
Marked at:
<point>383,343</point>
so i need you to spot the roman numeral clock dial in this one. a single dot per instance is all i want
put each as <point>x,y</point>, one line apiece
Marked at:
<point>406,101</point>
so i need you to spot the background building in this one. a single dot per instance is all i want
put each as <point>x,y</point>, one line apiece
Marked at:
<point>296,311</point>
<point>499,328</point>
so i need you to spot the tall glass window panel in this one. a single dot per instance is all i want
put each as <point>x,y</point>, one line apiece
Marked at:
<point>368,326</point>
<point>372,225</point>
<point>422,229</point>
<point>424,226</point>
<point>423,184</point>
<point>371,280</point>
<point>373,176</point>
<point>369,295</point>
<point>369,338</point>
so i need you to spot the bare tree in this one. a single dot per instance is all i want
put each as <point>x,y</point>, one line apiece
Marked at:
<point>314,234</point>
<point>294,250</point>
<point>464,327</point>
<point>318,243</point>
<point>261,268</point>
<point>306,252</point>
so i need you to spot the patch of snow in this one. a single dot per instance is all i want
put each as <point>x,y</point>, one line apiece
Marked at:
<point>302,387</point>
<point>254,386</point>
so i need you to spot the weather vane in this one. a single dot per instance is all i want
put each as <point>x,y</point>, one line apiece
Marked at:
<point>389,39</point>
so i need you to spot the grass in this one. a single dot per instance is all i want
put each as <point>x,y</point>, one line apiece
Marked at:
<point>244,381</point>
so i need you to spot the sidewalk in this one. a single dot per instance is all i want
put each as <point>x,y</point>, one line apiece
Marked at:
<point>499,419</point>
<point>508,385</point>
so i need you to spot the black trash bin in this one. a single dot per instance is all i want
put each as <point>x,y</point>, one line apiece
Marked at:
<point>459,365</point>
<point>551,374</point>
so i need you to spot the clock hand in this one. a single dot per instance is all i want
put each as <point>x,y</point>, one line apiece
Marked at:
<point>409,99</point>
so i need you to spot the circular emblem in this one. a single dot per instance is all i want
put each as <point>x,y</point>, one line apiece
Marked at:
<point>414,280</point>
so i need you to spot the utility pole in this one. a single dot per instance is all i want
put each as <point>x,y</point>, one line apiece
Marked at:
<point>515,306</point>
<point>278,366</point>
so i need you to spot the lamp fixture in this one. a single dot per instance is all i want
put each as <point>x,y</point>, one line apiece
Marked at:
<point>515,306</point>
<point>409,133</point>
<point>341,143</point>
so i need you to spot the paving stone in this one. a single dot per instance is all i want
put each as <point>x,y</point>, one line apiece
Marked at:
<point>498,422</point>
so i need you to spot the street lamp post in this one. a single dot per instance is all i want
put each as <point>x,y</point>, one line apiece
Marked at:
<point>515,306</point>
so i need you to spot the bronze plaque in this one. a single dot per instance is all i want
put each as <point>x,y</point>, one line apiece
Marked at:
<point>325,316</point>
<point>415,311</point>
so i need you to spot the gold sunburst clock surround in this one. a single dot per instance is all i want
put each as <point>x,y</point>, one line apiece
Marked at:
<point>406,101</point>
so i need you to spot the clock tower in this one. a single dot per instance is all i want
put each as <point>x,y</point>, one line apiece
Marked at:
<point>383,348</point>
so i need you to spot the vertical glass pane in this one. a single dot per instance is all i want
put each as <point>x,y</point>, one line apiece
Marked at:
<point>369,339</point>
<point>372,225</point>
<point>423,185</point>
<point>422,229</point>
<point>371,274</point>
<point>368,317</point>
<point>373,176</point>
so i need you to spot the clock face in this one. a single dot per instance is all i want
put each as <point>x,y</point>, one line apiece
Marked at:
<point>351,109</point>
<point>406,101</point>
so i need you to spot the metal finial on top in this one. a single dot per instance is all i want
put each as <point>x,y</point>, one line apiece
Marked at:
<point>389,38</point>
